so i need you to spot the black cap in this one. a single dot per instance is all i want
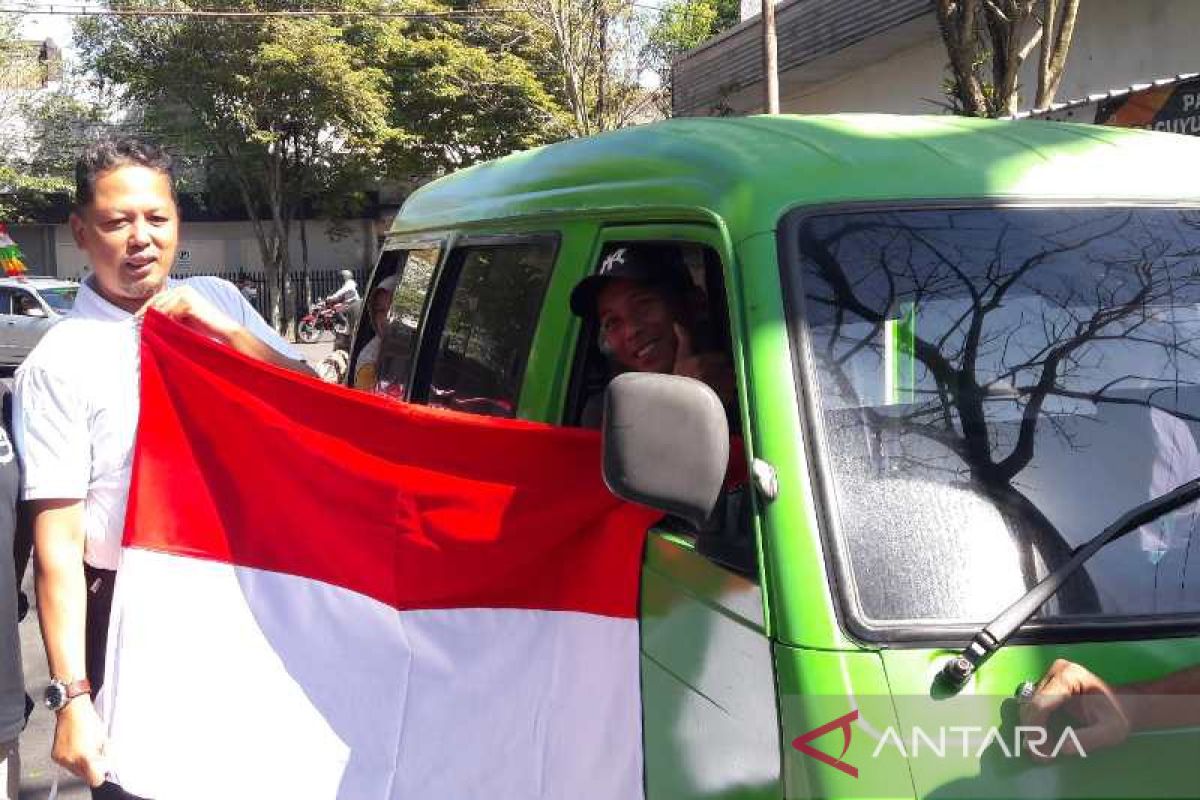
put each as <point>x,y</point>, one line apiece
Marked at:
<point>653,264</point>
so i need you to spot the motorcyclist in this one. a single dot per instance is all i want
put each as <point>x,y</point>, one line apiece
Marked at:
<point>347,292</point>
<point>347,295</point>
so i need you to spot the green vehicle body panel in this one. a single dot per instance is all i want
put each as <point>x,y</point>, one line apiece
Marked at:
<point>747,172</point>
<point>734,669</point>
<point>710,725</point>
<point>1149,764</point>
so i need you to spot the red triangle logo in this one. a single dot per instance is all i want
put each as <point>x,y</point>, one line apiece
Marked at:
<point>801,743</point>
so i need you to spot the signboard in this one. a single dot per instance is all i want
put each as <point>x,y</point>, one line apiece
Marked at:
<point>1173,107</point>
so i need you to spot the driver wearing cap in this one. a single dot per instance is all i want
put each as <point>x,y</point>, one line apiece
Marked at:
<point>647,315</point>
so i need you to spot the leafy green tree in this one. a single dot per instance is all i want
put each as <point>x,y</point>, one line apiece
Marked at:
<point>294,109</point>
<point>20,186</point>
<point>684,25</point>
<point>590,56</point>
<point>273,102</point>
<point>460,92</point>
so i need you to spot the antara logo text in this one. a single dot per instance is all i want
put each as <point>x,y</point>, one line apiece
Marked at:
<point>969,741</point>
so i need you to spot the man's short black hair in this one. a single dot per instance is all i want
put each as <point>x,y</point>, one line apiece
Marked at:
<point>108,154</point>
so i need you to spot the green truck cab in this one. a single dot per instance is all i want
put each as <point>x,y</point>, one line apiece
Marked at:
<point>962,349</point>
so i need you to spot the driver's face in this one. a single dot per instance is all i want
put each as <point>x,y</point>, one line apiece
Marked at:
<point>637,323</point>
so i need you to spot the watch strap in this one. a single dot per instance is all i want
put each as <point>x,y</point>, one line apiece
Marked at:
<point>76,688</point>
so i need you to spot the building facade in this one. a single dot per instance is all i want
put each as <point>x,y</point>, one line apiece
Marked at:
<point>887,56</point>
<point>207,247</point>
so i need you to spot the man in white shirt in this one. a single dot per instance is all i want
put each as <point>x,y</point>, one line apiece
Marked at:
<point>347,292</point>
<point>77,407</point>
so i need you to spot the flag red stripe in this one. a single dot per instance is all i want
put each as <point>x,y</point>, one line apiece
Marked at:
<point>253,465</point>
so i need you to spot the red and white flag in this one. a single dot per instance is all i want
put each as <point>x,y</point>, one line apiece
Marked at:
<point>325,594</point>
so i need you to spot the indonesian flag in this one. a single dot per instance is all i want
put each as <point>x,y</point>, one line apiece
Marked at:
<point>326,594</point>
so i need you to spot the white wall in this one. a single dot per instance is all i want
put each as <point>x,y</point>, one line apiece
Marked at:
<point>1116,43</point>
<point>1121,42</point>
<point>219,246</point>
<point>901,84</point>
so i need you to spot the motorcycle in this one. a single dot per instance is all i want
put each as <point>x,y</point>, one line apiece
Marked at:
<point>323,317</point>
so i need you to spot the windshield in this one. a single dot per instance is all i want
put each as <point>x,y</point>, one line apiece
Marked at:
<point>996,386</point>
<point>61,299</point>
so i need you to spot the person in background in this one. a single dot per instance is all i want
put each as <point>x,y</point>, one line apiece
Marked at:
<point>347,292</point>
<point>366,369</point>
<point>16,539</point>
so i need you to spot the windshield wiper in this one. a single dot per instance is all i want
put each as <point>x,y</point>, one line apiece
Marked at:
<point>996,633</point>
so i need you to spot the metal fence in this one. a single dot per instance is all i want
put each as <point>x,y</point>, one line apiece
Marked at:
<point>303,288</point>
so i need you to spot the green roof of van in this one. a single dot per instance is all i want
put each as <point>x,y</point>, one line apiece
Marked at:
<point>750,170</point>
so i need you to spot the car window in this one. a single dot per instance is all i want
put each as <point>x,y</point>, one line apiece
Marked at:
<point>60,299</point>
<point>493,310</point>
<point>398,339</point>
<point>6,301</point>
<point>702,309</point>
<point>26,305</point>
<point>994,387</point>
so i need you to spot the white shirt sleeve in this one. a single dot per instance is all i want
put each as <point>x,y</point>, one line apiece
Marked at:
<point>235,304</point>
<point>51,426</point>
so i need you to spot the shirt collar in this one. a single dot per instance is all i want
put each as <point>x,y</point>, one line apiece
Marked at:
<point>90,305</point>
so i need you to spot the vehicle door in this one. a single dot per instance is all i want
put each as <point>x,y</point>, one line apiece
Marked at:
<point>497,338</point>
<point>711,727</point>
<point>9,334</point>
<point>23,321</point>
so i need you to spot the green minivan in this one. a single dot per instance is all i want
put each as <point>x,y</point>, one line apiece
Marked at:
<point>963,349</point>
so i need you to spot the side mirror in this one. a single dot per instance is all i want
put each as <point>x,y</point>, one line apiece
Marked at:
<point>666,443</point>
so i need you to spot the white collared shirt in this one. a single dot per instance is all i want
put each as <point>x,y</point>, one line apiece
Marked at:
<point>76,407</point>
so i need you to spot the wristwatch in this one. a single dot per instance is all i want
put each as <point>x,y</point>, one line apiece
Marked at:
<point>58,694</point>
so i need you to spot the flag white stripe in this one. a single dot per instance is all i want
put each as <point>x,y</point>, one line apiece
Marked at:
<point>279,686</point>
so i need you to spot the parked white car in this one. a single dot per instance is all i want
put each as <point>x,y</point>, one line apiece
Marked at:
<point>28,307</point>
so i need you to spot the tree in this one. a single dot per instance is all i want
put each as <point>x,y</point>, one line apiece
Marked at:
<point>683,25</point>
<point>273,102</point>
<point>593,51</point>
<point>293,109</point>
<point>988,41</point>
<point>459,92</point>
<point>19,186</point>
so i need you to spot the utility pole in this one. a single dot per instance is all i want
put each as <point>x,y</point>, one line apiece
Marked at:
<point>770,58</point>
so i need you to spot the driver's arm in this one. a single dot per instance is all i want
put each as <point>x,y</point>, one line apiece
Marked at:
<point>1111,713</point>
<point>1172,701</point>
